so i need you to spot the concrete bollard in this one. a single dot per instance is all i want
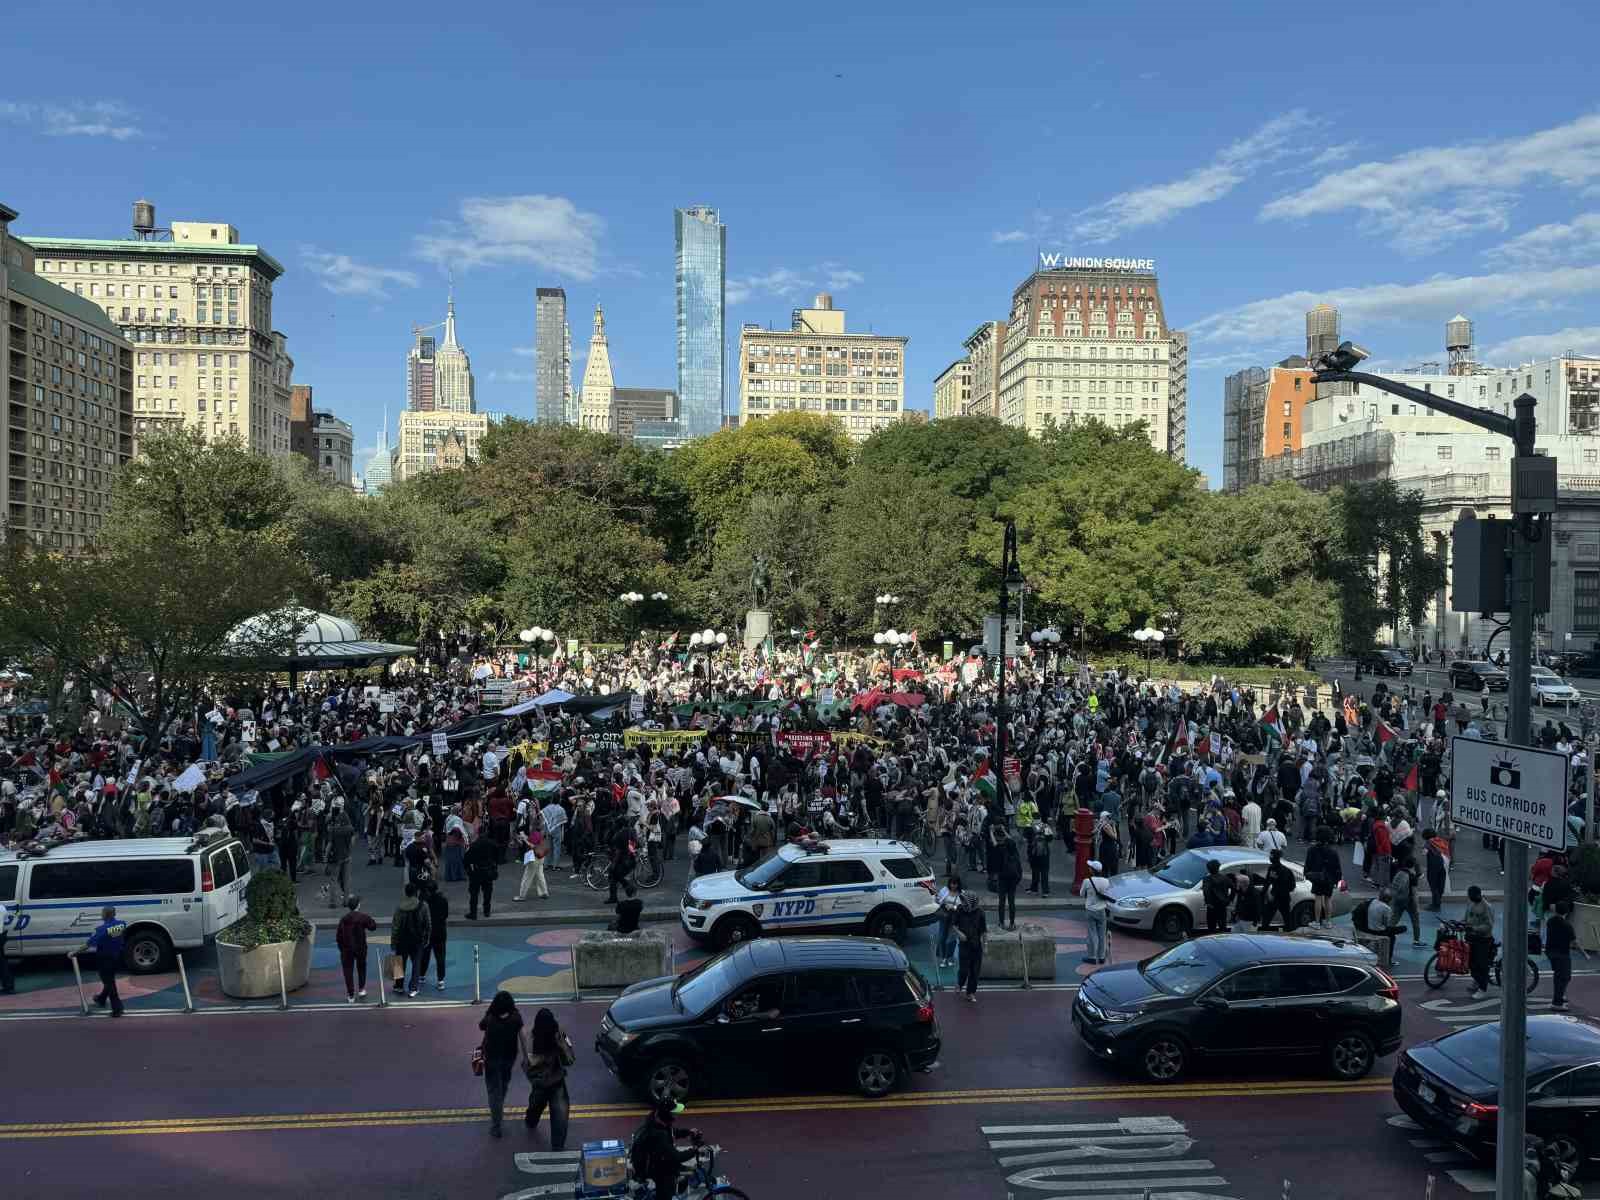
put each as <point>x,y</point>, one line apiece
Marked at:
<point>283,987</point>
<point>77,973</point>
<point>606,960</point>
<point>183,974</point>
<point>383,995</point>
<point>477,975</point>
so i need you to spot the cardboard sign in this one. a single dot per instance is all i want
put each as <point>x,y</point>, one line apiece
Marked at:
<point>636,706</point>
<point>371,691</point>
<point>441,743</point>
<point>825,696</point>
<point>386,702</point>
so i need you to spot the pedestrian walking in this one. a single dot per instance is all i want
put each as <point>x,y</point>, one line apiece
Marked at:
<point>1558,938</point>
<point>409,931</point>
<point>503,1045</point>
<point>971,928</point>
<point>1479,920</point>
<point>555,825</point>
<point>1403,890</point>
<point>1323,871</point>
<point>550,1053</point>
<point>949,901</point>
<point>1438,867</point>
<point>341,836</point>
<point>535,850</point>
<point>351,938</point>
<point>438,932</point>
<point>106,942</point>
<point>1039,858</point>
<point>1278,895</point>
<point>482,861</point>
<point>1271,838</point>
<point>1008,878</point>
<point>1097,907</point>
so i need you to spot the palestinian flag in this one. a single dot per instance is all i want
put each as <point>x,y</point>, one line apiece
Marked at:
<point>1178,741</point>
<point>1385,734</point>
<point>984,782</point>
<point>808,646</point>
<point>1272,727</point>
<point>1413,779</point>
<point>670,642</point>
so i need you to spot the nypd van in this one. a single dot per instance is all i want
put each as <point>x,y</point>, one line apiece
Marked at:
<point>875,885</point>
<point>172,893</point>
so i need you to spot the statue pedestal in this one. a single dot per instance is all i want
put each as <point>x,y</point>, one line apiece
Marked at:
<point>757,625</point>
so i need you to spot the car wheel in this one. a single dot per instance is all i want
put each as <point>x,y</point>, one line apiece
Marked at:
<point>1173,922</point>
<point>731,931</point>
<point>1351,1054</point>
<point>1304,913</point>
<point>148,951</point>
<point>669,1079</point>
<point>1163,1059</point>
<point>877,1073</point>
<point>888,923</point>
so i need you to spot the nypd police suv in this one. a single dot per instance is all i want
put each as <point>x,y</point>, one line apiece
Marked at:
<point>876,885</point>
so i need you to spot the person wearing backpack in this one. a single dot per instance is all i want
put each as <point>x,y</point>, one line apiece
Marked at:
<point>409,931</point>
<point>550,1053</point>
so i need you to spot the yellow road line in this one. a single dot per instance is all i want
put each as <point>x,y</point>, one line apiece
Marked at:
<point>277,1122</point>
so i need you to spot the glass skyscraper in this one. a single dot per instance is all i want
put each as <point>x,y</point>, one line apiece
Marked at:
<point>552,357</point>
<point>702,276</point>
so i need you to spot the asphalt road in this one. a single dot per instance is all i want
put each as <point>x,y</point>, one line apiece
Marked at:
<point>360,1102</point>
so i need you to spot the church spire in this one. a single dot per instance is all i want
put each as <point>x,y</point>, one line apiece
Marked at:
<point>599,323</point>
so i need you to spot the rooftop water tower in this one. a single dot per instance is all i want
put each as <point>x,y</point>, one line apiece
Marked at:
<point>1458,345</point>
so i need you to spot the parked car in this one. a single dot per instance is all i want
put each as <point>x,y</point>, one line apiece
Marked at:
<point>878,885</point>
<point>1168,901</point>
<point>1550,688</point>
<point>1241,995</point>
<point>1478,676</point>
<point>1385,662</point>
<point>1450,1086</point>
<point>849,1009</point>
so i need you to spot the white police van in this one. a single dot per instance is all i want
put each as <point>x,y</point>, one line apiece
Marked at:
<point>172,893</point>
<point>880,886</point>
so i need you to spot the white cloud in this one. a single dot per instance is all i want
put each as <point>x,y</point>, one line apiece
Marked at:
<point>344,276</point>
<point>1334,154</point>
<point>1009,236</point>
<point>1475,184</point>
<point>1551,245</point>
<point>524,351</point>
<point>92,118</point>
<point>784,282</point>
<point>549,232</point>
<point>1580,339</point>
<point>510,376</point>
<point>1280,320</point>
<point>1158,203</point>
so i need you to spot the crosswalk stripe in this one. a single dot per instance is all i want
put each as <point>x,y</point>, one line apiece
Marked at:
<point>1121,1124</point>
<point>1425,1143</point>
<point>1100,1150</point>
<point>1445,1156</point>
<point>1401,1121</point>
<point>549,1155</point>
<point>1183,1164</point>
<point>548,1168</point>
<point>1189,1183</point>
<point>543,1189</point>
<point>1132,1139</point>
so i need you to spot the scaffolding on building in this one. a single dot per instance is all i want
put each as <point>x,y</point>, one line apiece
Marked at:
<point>1358,459</point>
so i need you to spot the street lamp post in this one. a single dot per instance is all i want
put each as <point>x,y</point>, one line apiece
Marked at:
<point>880,602</point>
<point>1010,577</point>
<point>893,639</point>
<point>1337,367</point>
<point>1148,637</point>
<point>1047,637</point>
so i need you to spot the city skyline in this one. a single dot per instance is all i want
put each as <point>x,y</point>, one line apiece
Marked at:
<point>1402,208</point>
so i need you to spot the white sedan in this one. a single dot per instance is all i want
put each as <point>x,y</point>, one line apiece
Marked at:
<point>1550,688</point>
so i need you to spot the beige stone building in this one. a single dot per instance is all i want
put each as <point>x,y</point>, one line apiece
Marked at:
<point>952,389</point>
<point>429,441</point>
<point>816,366</point>
<point>986,346</point>
<point>454,389</point>
<point>599,386</point>
<point>198,310</point>
<point>69,392</point>
<point>1087,339</point>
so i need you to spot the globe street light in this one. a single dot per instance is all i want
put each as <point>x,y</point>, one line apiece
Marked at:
<point>1149,637</point>
<point>1046,637</point>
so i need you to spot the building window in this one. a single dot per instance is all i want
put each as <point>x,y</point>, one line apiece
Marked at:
<point>1492,453</point>
<point>1444,453</point>
<point>1586,601</point>
<point>1589,456</point>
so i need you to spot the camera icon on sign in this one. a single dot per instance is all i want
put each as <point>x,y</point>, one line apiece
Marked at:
<point>1503,772</point>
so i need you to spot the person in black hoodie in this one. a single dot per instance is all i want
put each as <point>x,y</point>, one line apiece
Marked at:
<point>1009,876</point>
<point>351,938</point>
<point>1323,870</point>
<point>438,931</point>
<point>482,861</point>
<point>502,1047</point>
<point>409,932</point>
<point>971,928</point>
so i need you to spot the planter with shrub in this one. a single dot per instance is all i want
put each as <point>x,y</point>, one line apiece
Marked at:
<point>248,952</point>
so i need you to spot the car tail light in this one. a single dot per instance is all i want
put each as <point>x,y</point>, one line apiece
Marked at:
<point>1390,989</point>
<point>207,884</point>
<point>1479,1112</point>
<point>925,1012</point>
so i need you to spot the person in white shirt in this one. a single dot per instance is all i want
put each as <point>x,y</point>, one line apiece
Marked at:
<point>1097,907</point>
<point>1271,838</point>
<point>555,824</point>
<point>949,899</point>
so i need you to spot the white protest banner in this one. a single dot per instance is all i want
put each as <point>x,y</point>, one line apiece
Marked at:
<point>441,743</point>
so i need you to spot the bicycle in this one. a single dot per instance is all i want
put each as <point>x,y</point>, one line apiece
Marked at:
<point>702,1180</point>
<point>1452,955</point>
<point>647,872</point>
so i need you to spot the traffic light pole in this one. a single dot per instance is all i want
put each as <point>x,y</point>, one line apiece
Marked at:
<point>1511,1127</point>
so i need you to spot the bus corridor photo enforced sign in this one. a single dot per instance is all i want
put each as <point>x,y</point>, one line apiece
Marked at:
<point>1514,792</point>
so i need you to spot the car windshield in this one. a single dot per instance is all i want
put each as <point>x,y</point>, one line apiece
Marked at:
<point>1546,675</point>
<point>706,985</point>
<point>1184,871</point>
<point>1183,970</point>
<point>763,873</point>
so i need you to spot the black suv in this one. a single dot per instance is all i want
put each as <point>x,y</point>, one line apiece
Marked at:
<point>1385,662</point>
<point>1241,994</point>
<point>848,1007</point>
<point>1478,677</point>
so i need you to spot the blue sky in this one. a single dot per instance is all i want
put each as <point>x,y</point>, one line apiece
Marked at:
<point>1402,161</point>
